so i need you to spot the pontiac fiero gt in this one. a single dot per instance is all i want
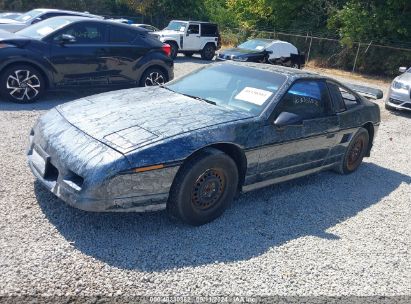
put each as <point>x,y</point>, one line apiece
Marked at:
<point>191,145</point>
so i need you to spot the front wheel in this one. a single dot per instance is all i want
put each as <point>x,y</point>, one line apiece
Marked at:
<point>355,152</point>
<point>153,77</point>
<point>204,188</point>
<point>22,84</point>
<point>208,52</point>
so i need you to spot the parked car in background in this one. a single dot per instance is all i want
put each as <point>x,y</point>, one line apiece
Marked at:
<point>190,37</point>
<point>265,51</point>
<point>68,51</point>
<point>148,27</point>
<point>191,145</point>
<point>10,15</point>
<point>37,15</point>
<point>399,94</point>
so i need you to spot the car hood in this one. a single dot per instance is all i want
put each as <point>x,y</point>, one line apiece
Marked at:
<point>12,38</point>
<point>240,52</point>
<point>129,119</point>
<point>9,21</point>
<point>168,33</point>
<point>405,77</point>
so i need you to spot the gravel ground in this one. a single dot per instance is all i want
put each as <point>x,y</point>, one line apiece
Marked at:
<point>325,234</point>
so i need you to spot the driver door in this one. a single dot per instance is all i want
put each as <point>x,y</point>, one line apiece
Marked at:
<point>192,40</point>
<point>302,145</point>
<point>84,60</point>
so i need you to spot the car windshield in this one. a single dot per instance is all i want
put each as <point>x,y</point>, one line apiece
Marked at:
<point>255,44</point>
<point>29,15</point>
<point>44,28</point>
<point>233,87</point>
<point>176,26</point>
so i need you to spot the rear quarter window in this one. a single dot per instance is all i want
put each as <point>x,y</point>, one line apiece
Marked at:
<point>209,30</point>
<point>122,35</point>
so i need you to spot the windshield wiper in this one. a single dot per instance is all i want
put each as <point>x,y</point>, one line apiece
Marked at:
<point>199,98</point>
<point>188,95</point>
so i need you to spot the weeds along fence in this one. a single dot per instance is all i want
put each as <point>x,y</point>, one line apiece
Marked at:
<point>363,57</point>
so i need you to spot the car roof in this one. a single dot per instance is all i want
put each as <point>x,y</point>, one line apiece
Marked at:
<point>107,21</point>
<point>288,72</point>
<point>48,10</point>
<point>195,21</point>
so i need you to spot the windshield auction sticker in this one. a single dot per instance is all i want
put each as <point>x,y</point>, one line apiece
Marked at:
<point>253,95</point>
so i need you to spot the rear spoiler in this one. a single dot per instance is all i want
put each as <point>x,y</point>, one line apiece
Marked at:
<point>367,92</point>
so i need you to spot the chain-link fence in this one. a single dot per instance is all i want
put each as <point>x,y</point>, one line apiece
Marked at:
<point>362,57</point>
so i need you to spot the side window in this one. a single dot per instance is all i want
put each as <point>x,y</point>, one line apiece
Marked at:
<point>121,35</point>
<point>85,33</point>
<point>349,99</point>
<point>342,98</point>
<point>336,97</point>
<point>194,29</point>
<point>307,98</point>
<point>209,30</point>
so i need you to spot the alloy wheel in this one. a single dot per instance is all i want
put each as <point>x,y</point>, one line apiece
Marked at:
<point>23,85</point>
<point>154,79</point>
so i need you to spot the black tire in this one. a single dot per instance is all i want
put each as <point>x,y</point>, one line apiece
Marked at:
<point>189,54</point>
<point>355,152</point>
<point>153,77</point>
<point>22,83</point>
<point>208,52</point>
<point>203,188</point>
<point>174,49</point>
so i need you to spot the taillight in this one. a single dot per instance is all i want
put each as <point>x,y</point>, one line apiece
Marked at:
<point>166,49</point>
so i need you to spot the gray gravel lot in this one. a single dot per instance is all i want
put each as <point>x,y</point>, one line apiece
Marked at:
<point>325,234</point>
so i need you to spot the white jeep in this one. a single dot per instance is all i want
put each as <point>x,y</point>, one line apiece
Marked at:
<point>190,37</point>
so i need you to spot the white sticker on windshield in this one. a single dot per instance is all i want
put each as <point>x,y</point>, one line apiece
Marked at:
<point>259,47</point>
<point>253,95</point>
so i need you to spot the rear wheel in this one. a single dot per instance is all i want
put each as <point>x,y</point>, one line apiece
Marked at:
<point>189,54</point>
<point>153,77</point>
<point>22,84</point>
<point>204,188</point>
<point>208,52</point>
<point>355,152</point>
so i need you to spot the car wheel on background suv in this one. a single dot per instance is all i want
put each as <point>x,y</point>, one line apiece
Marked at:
<point>22,84</point>
<point>153,77</point>
<point>174,49</point>
<point>355,152</point>
<point>203,188</point>
<point>208,52</point>
<point>188,54</point>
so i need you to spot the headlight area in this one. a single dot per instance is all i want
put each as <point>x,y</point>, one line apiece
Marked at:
<point>398,85</point>
<point>142,181</point>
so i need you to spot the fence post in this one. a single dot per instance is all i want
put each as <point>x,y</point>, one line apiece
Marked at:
<point>356,56</point>
<point>309,49</point>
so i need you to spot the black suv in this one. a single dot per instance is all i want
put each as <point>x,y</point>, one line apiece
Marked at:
<point>65,52</point>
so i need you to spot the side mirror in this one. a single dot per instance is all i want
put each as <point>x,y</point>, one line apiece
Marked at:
<point>36,20</point>
<point>402,69</point>
<point>287,119</point>
<point>65,38</point>
<point>269,52</point>
<point>189,32</point>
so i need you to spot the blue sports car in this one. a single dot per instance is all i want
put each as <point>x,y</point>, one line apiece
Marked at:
<point>189,146</point>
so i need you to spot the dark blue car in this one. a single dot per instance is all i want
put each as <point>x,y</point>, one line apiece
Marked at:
<point>191,145</point>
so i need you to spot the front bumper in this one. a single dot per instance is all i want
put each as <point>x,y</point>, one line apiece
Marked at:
<point>399,99</point>
<point>81,171</point>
